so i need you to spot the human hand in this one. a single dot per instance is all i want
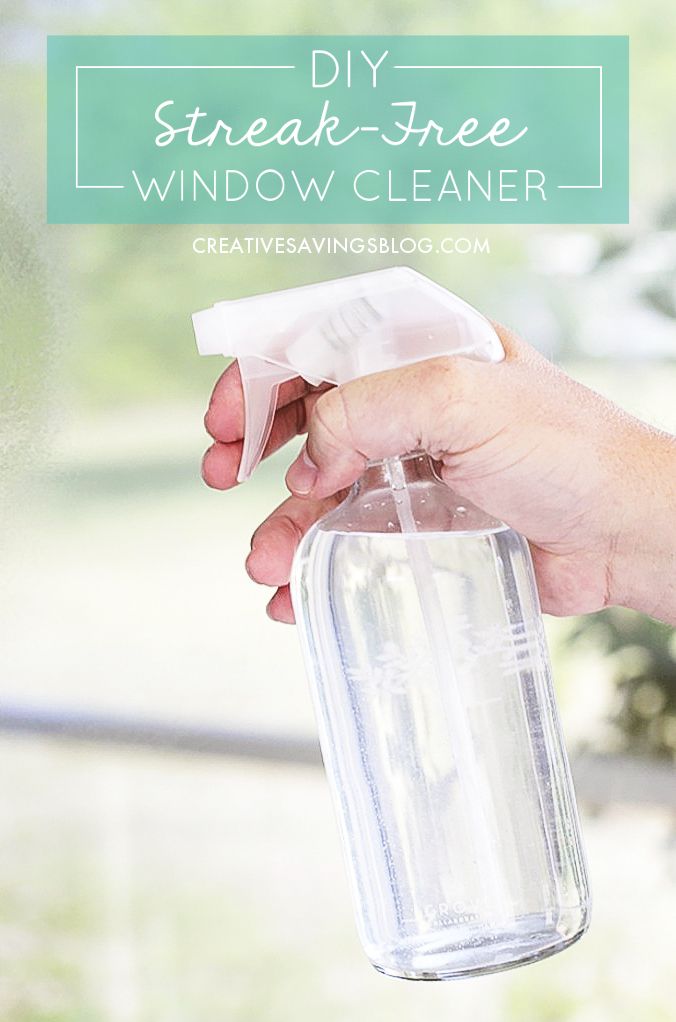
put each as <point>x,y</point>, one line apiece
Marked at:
<point>592,488</point>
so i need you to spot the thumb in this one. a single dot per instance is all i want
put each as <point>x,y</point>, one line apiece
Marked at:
<point>416,407</point>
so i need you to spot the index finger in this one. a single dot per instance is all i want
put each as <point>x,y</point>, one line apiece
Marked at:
<point>224,420</point>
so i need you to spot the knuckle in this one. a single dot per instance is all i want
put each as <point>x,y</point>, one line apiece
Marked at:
<point>455,381</point>
<point>330,419</point>
<point>447,387</point>
<point>292,529</point>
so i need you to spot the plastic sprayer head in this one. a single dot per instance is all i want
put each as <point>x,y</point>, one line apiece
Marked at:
<point>210,331</point>
<point>336,331</point>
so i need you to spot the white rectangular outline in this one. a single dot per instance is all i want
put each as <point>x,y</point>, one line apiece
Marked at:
<point>159,67</point>
<point>528,67</point>
<point>292,67</point>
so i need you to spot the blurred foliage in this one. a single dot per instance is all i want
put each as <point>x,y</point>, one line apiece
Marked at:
<point>640,656</point>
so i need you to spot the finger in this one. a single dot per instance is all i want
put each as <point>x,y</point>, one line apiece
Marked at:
<point>280,607</point>
<point>221,461</point>
<point>436,405</point>
<point>275,541</point>
<point>224,420</point>
<point>378,416</point>
<point>220,464</point>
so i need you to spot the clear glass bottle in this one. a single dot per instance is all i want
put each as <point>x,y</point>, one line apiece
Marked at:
<point>421,628</point>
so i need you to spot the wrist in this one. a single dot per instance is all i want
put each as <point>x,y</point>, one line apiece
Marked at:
<point>642,563</point>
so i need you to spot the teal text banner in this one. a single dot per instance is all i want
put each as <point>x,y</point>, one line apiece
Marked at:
<point>338,129</point>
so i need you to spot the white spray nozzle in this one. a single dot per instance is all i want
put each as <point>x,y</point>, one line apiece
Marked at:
<point>336,331</point>
<point>210,331</point>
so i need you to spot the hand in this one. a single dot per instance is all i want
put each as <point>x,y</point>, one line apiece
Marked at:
<point>591,488</point>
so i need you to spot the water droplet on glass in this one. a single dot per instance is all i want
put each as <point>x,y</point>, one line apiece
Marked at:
<point>461,510</point>
<point>367,507</point>
<point>390,525</point>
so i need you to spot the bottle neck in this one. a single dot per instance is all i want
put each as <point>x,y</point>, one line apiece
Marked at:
<point>397,472</point>
<point>406,495</point>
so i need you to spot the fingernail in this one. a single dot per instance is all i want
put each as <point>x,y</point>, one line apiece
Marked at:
<point>302,475</point>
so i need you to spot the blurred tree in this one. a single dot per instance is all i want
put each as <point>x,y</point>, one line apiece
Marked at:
<point>640,655</point>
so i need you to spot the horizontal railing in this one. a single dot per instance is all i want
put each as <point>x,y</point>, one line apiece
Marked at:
<point>600,780</point>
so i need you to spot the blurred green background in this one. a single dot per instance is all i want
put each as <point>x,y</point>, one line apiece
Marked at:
<point>148,887</point>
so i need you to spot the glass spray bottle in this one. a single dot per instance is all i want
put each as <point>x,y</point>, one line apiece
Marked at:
<point>422,635</point>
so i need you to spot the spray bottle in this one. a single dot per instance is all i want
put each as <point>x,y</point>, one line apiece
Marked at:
<point>422,636</point>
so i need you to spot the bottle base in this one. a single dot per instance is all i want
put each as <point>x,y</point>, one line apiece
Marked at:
<point>430,961</point>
